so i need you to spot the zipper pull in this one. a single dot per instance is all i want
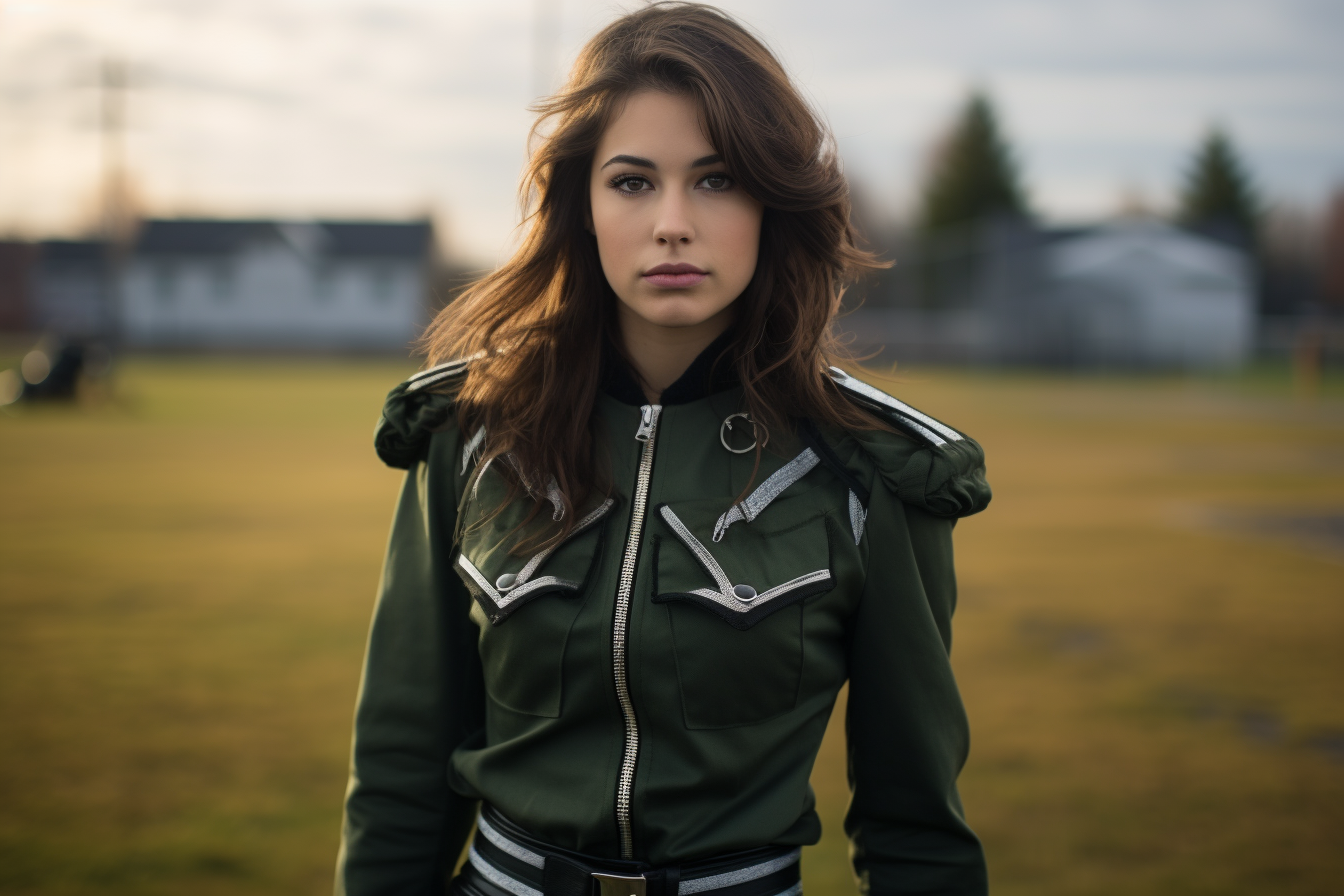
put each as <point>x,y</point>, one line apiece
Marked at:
<point>648,421</point>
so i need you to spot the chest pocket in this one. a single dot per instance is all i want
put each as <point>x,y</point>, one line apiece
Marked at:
<point>735,606</point>
<point>525,605</point>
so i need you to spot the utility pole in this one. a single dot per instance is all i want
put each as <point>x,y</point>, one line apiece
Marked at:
<point>116,224</point>
<point>112,124</point>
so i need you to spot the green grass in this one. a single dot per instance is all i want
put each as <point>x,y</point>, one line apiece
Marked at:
<point>1152,671</point>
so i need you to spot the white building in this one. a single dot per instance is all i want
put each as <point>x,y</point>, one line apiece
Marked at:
<point>343,285</point>
<point>1145,294</point>
<point>1127,294</point>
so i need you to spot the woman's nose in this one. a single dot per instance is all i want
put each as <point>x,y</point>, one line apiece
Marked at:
<point>673,224</point>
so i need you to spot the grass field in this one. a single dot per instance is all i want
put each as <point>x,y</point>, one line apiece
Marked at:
<point>1149,639</point>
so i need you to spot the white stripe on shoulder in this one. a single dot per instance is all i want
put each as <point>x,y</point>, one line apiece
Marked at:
<point>441,372</point>
<point>436,374</point>
<point>455,364</point>
<point>932,430</point>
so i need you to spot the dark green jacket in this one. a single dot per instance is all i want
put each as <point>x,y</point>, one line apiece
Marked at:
<point>645,690</point>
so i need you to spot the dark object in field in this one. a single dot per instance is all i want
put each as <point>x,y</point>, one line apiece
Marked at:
<point>52,372</point>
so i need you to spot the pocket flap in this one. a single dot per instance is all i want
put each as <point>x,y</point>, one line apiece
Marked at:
<point>751,572</point>
<point>502,582</point>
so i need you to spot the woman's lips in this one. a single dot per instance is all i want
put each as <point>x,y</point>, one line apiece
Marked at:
<point>674,276</point>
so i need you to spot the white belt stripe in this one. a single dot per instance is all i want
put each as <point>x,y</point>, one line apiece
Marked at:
<point>686,888</point>
<point>499,878</point>
<point>741,876</point>
<point>517,850</point>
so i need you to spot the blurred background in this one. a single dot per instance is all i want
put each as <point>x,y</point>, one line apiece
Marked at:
<point>1118,230</point>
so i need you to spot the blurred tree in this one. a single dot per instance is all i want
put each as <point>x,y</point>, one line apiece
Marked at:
<point>1287,255</point>
<point>877,232</point>
<point>1219,196</point>
<point>972,175</point>
<point>972,180</point>
<point>1333,244</point>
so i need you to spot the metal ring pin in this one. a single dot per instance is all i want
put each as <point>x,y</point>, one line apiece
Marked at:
<point>728,425</point>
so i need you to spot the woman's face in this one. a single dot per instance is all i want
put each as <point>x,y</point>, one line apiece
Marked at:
<point>677,237</point>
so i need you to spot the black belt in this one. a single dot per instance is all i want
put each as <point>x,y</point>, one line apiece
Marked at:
<point>505,859</point>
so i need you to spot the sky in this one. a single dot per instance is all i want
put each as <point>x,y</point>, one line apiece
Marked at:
<point>388,108</point>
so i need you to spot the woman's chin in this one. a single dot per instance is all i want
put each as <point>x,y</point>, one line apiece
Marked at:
<point>679,314</point>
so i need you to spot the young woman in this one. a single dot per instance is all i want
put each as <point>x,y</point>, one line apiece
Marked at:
<point>648,531</point>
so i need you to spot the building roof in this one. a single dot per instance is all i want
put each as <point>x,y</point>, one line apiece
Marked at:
<point>207,236</point>
<point>72,252</point>
<point>377,238</point>
<point>187,236</point>
<point>1134,247</point>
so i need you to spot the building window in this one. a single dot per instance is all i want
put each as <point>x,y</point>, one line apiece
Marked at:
<point>324,282</point>
<point>221,280</point>
<point>382,284</point>
<point>165,283</point>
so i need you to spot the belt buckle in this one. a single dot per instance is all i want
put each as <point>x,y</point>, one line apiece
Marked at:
<point>620,885</point>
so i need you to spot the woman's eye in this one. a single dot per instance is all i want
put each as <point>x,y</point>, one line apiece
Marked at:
<point>717,181</point>
<point>631,183</point>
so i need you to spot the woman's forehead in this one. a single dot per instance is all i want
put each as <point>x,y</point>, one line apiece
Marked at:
<point>658,127</point>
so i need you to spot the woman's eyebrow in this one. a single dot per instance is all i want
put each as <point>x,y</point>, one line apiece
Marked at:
<point>701,162</point>
<point>629,160</point>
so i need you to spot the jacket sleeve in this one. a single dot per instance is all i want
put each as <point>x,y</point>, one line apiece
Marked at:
<point>420,697</point>
<point>906,728</point>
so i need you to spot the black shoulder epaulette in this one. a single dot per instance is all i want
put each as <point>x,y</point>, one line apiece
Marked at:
<point>413,412</point>
<point>905,418</point>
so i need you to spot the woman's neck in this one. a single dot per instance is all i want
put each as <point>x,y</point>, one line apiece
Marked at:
<point>660,355</point>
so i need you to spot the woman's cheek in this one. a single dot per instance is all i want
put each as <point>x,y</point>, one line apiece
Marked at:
<point>617,240</point>
<point>741,241</point>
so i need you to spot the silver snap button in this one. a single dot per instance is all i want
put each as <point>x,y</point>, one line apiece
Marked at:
<point>744,593</point>
<point>506,581</point>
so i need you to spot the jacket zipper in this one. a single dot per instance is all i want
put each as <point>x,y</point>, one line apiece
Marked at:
<point>647,433</point>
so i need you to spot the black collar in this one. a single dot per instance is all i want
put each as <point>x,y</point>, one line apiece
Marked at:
<point>704,376</point>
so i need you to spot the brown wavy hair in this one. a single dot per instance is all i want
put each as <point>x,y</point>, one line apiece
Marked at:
<point>531,324</point>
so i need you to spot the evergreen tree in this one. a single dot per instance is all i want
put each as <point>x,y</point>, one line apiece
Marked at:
<point>1218,191</point>
<point>973,175</point>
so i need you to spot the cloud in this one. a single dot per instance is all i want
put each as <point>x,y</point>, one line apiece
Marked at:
<point>260,106</point>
